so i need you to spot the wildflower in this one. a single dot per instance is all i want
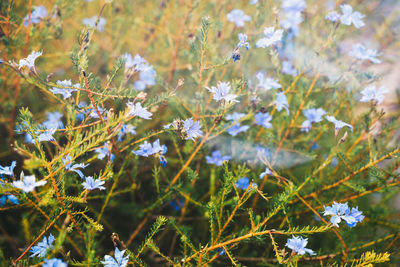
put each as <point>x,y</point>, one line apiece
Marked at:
<point>298,244</point>
<point>338,124</point>
<point>271,37</point>
<point>371,93</point>
<point>29,61</point>
<point>8,170</point>
<point>119,260</point>
<point>39,13</point>
<point>192,129</point>
<point>13,199</point>
<point>361,52</point>
<point>313,115</point>
<point>41,248</point>
<point>281,102</point>
<point>147,78</point>
<point>47,136</point>
<point>221,251</point>
<point>91,23</point>
<point>266,83</point>
<point>288,68</point>
<point>74,167</point>
<point>54,262</point>
<point>243,41</point>
<point>138,62</point>
<point>333,16</point>
<point>138,110</point>
<point>94,112</point>
<point>243,183</point>
<point>216,158</point>
<point>125,129</point>
<point>177,204</point>
<point>349,17</point>
<point>341,211</point>
<point>253,2</point>
<point>221,92</point>
<point>266,172</point>
<point>238,17</point>
<point>91,184</point>
<point>235,116</point>
<point>28,183</point>
<point>53,121</point>
<point>65,92</point>
<point>237,128</point>
<point>293,5</point>
<point>103,152</point>
<point>263,119</point>
<point>147,149</point>
<point>292,21</point>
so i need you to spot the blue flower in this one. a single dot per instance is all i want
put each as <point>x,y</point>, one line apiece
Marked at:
<point>29,61</point>
<point>281,102</point>
<point>238,17</point>
<point>146,78</point>
<point>8,170</point>
<point>13,199</point>
<point>221,92</point>
<point>292,21</point>
<point>65,92</point>
<point>41,248</point>
<point>288,68</point>
<point>235,116</point>
<point>266,83</point>
<point>75,167</point>
<point>138,63</point>
<point>349,17</point>
<point>28,183</point>
<point>93,112</point>
<point>361,52</point>
<point>263,119</point>
<point>266,172</point>
<point>91,184</point>
<point>271,37</point>
<point>91,23</point>
<point>39,13</point>
<point>138,110</point>
<point>243,41</point>
<point>119,260</point>
<point>293,5</point>
<point>47,136</point>
<point>341,211</point>
<point>237,128</point>
<point>53,121</point>
<point>125,129</point>
<point>371,93</point>
<point>103,152</point>
<point>243,183</point>
<point>147,149</point>
<point>338,124</point>
<point>54,262</point>
<point>177,204</point>
<point>332,16</point>
<point>192,129</point>
<point>313,115</point>
<point>298,244</point>
<point>216,158</point>
<point>253,2</point>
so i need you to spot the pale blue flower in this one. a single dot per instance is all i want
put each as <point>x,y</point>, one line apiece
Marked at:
<point>235,116</point>
<point>361,52</point>
<point>91,23</point>
<point>13,199</point>
<point>54,262</point>
<point>271,37</point>
<point>138,62</point>
<point>371,93</point>
<point>338,124</point>
<point>293,5</point>
<point>341,211</point>
<point>37,15</point>
<point>192,129</point>
<point>94,112</point>
<point>266,172</point>
<point>238,17</point>
<point>47,136</point>
<point>65,92</point>
<point>243,41</point>
<point>29,61</point>
<point>333,16</point>
<point>263,119</point>
<point>217,158</point>
<point>119,260</point>
<point>8,170</point>
<point>357,215</point>
<point>243,183</point>
<point>288,68</point>
<point>313,115</point>
<point>91,184</point>
<point>266,83</point>
<point>103,152</point>
<point>253,2</point>
<point>41,248</point>
<point>138,110</point>
<point>281,102</point>
<point>237,128</point>
<point>292,21</point>
<point>125,129</point>
<point>75,167</point>
<point>28,183</point>
<point>148,149</point>
<point>221,92</point>
<point>349,17</point>
<point>146,78</point>
<point>298,244</point>
<point>53,121</point>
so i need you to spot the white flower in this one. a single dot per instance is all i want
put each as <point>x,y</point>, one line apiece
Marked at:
<point>29,61</point>
<point>28,183</point>
<point>372,93</point>
<point>271,37</point>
